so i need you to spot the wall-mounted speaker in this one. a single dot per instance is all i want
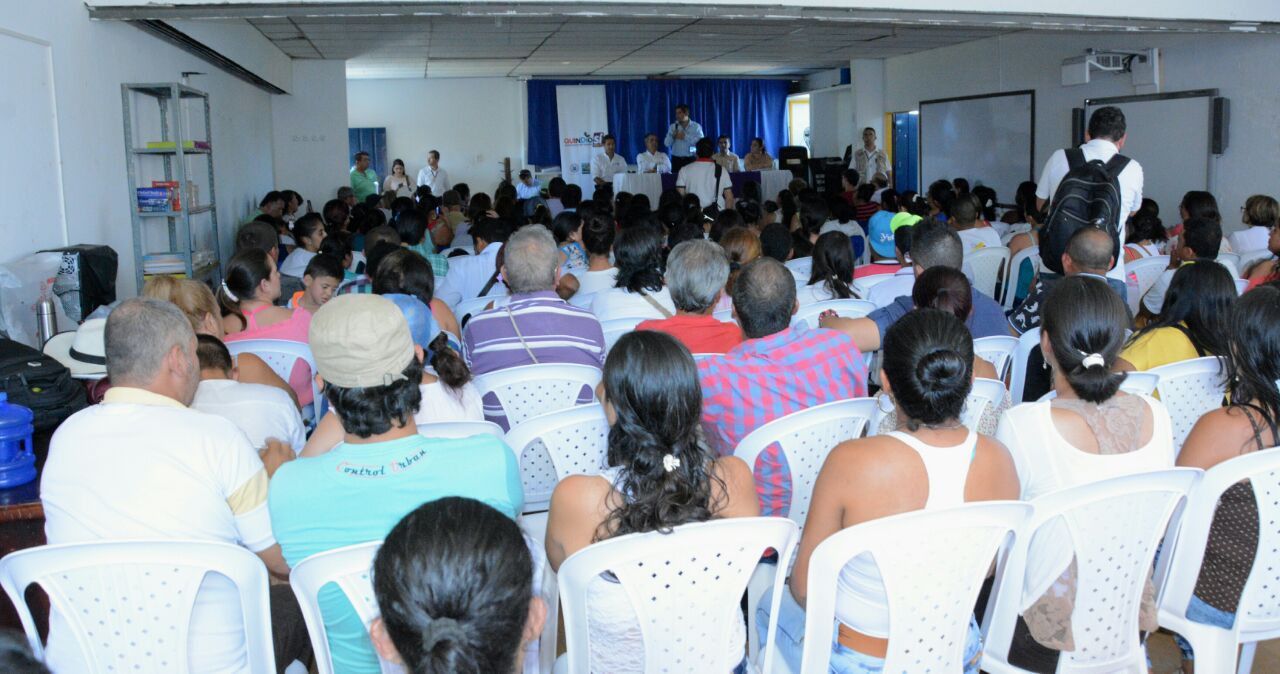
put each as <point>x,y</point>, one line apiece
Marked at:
<point>1219,119</point>
<point>1077,126</point>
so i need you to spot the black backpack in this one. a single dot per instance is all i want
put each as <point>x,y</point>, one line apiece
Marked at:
<point>39,383</point>
<point>1088,196</point>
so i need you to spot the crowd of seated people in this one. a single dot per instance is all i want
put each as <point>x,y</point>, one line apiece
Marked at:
<point>377,290</point>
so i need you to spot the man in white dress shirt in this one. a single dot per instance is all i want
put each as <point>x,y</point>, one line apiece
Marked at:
<point>1105,138</point>
<point>651,160</point>
<point>868,160</point>
<point>433,176</point>
<point>606,165</point>
<point>470,274</point>
<point>725,157</point>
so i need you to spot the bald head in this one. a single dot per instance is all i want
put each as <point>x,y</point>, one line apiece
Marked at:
<point>764,297</point>
<point>1088,251</point>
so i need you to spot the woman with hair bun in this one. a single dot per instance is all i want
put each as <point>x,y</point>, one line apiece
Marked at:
<point>661,475</point>
<point>1090,431</point>
<point>454,582</point>
<point>934,462</point>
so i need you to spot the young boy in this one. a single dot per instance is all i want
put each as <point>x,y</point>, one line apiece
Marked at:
<point>266,414</point>
<point>319,283</point>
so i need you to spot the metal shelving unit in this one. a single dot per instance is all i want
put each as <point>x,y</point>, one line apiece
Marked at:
<point>171,99</point>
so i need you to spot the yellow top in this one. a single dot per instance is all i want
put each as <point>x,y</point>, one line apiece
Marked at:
<point>1159,347</point>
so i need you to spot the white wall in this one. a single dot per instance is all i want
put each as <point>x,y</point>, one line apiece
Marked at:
<point>473,122</point>
<point>90,60</point>
<point>831,121</point>
<point>240,41</point>
<point>309,131</point>
<point>1241,67</point>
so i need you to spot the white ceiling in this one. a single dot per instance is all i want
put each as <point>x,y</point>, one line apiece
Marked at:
<point>575,46</point>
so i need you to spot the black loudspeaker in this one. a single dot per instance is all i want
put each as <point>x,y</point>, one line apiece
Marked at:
<point>1218,125</point>
<point>1077,126</point>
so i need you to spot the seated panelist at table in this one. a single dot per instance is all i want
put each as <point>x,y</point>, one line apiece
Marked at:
<point>725,157</point>
<point>757,159</point>
<point>652,160</point>
<point>607,164</point>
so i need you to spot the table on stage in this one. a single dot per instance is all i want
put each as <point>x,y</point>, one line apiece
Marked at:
<point>654,184</point>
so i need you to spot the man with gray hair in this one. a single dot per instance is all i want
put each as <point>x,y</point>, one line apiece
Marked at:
<point>696,273</point>
<point>143,465</point>
<point>535,326</point>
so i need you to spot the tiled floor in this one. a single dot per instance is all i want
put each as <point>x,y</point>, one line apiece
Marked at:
<point>1166,660</point>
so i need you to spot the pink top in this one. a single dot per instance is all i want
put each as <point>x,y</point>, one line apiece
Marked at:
<point>293,330</point>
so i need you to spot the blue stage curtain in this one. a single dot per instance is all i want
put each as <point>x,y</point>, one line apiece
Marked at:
<point>741,109</point>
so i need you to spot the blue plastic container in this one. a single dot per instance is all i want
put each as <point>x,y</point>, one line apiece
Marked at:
<point>17,461</point>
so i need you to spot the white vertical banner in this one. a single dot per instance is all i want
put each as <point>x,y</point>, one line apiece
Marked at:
<point>583,124</point>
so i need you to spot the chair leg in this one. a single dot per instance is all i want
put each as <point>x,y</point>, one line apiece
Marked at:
<point>1246,657</point>
<point>1214,648</point>
<point>760,581</point>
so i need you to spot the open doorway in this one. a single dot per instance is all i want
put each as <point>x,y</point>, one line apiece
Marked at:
<point>798,132</point>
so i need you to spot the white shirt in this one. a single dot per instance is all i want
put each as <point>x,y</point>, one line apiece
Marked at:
<point>524,191</point>
<point>441,403</point>
<point>868,163</point>
<point>728,160</point>
<point>620,303</point>
<point>979,237</point>
<point>885,292</point>
<point>436,179</point>
<point>259,410</point>
<point>1251,239</point>
<point>700,178</point>
<point>648,161</point>
<point>143,466</point>
<point>295,264</point>
<point>468,275</point>
<point>1130,180</point>
<point>605,167</point>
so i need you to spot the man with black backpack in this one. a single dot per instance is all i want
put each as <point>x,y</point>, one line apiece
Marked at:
<point>1092,185</point>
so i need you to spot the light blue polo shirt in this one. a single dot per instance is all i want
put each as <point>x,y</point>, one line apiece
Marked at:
<point>357,493</point>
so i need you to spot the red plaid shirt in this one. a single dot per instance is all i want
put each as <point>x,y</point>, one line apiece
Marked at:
<point>768,378</point>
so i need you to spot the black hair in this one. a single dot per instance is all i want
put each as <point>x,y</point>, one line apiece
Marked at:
<point>683,106</point>
<point>986,202</point>
<point>638,255</point>
<point>652,384</point>
<point>374,255</point>
<point>270,197</point>
<point>305,227</point>
<point>964,210</point>
<point>491,230</point>
<point>750,212</point>
<point>258,235</point>
<point>406,272</point>
<point>961,186</point>
<point>1144,226</point>
<point>479,205</point>
<point>370,411</point>
<point>851,176</point>
<point>764,295</point>
<point>751,191</point>
<point>1201,204</point>
<point>1253,343</point>
<point>1199,302</point>
<point>775,241</point>
<point>902,239</point>
<point>704,148</point>
<point>839,209</point>
<point>454,580</point>
<point>813,215</point>
<point>864,192</point>
<point>356,157</point>
<point>448,364</point>
<point>337,245</point>
<point>1083,316</point>
<point>597,234</point>
<point>245,271</point>
<point>463,190</point>
<point>833,264</point>
<point>928,360</point>
<point>889,200</point>
<point>411,225</point>
<point>335,212</point>
<point>213,354</point>
<point>725,221</point>
<point>946,289</point>
<point>564,225</point>
<point>572,195</point>
<point>324,266</point>
<point>1203,236</point>
<point>942,193</point>
<point>1024,201</point>
<point>1108,123</point>
<point>16,657</point>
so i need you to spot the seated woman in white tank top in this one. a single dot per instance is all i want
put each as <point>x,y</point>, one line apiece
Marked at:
<point>1091,431</point>
<point>660,475</point>
<point>936,462</point>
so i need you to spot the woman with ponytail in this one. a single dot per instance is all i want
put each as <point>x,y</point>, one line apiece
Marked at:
<point>831,274</point>
<point>934,462</point>
<point>1090,431</point>
<point>660,475</point>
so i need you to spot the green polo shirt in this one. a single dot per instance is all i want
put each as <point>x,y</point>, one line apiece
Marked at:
<point>364,184</point>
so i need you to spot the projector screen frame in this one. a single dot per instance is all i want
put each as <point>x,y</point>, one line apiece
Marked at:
<point>1031,157</point>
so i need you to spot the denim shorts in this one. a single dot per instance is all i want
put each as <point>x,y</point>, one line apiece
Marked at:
<point>1199,611</point>
<point>844,660</point>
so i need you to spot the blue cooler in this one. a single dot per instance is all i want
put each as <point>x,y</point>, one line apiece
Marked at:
<point>17,461</point>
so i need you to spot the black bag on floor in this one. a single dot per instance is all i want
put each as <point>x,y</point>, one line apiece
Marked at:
<point>39,383</point>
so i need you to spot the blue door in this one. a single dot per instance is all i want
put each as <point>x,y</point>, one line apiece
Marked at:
<point>373,141</point>
<point>906,151</point>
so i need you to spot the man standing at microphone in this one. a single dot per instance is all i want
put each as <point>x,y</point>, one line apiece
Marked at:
<point>682,137</point>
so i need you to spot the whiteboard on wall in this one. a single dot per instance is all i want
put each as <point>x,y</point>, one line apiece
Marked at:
<point>1168,134</point>
<point>987,139</point>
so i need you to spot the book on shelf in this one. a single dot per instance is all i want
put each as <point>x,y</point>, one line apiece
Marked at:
<point>170,145</point>
<point>154,199</point>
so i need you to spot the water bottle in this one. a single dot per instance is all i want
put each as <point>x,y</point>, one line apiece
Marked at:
<point>46,316</point>
<point>17,460</point>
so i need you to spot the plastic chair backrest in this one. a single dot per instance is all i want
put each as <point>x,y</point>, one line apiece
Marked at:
<point>1146,271</point>
<point>530,390</point>
<point>685,587</point>
<point>1018,367</point>
<point>468,308</point>
<point>850,308</point>
<point>985,394</point>
<point>574,439</point>
<point>933,563</point>
<point>724,315</point>
<point>1014,278</point>
<point>862,286</point>
<point>280,355</point>
<point>617,327</point>
<point>987,265</point>
<point>1241,285</point>
<point>1113,562</point>
<point>350,569</point>
<point>459,429</point>
<point>1189,389</point>
<point>95,586</point>
<point>997,350</point>
<point>806,438</point>
<point>1252,257</point>
<point>1231,261</point>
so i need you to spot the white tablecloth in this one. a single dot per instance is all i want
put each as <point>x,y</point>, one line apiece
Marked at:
<point>773,182</point>
<point>648,184</point>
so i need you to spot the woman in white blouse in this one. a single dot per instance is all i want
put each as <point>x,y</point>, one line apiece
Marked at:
<point>399,182</point>
<point>1091,431</point>
<point>639,291</point>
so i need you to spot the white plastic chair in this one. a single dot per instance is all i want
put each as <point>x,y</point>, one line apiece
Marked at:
<point>1146,271</point>
<point>985,394</point>
<point>1231,261</point>
<point>1189,389</point>
<point>459,429</point>
<point>1258,615</point>
<point>349,569</point>
<point>850,308</point>
<point>1250,258</point>
<point>988,265</point>
<point>997,350</point>
<point>530,390</point>
<point>468,308</point>
<point>1135,382</point>
<point>574,440</point>
<point>933,563</point>
<point>1018,367</point>
<point>1242,285</point>
<point>281,355</point>
<point>862,286</point>
<point>685,587</point>
<point>94,586</point>
<point>724,315</point>
<point>1113,561</point>
<point>1014,278</point>
<point>614,328</point>
<point>801,267</point>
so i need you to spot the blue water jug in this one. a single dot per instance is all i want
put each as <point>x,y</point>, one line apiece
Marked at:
<point>17,461</point>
